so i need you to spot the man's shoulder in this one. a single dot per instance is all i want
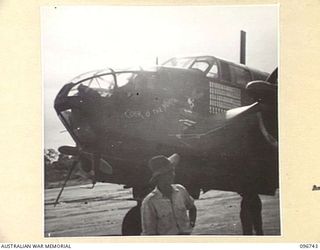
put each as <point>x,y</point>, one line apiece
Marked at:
<point>181,190</point>
<point>151,196</point>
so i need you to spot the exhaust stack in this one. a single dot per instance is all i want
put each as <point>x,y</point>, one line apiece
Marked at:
<point>242,47</point>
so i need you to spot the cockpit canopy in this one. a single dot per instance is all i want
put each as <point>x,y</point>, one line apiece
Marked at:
<point>106,81</point>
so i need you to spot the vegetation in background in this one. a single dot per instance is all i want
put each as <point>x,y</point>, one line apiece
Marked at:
<point>56,168</point>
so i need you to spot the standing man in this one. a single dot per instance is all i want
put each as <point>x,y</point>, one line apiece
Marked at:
<point>250,213</point>
<point>164,210</point>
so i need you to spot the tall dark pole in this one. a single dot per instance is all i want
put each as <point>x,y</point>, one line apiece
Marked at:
<point>242,47</point>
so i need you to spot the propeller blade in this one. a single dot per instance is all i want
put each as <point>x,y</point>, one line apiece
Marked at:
<point>65,182</point>
<point>223,120</point>
<point>236,112</point>
<point>68,150</point>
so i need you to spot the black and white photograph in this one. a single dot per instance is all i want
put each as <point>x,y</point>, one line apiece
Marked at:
<point>160,120</point>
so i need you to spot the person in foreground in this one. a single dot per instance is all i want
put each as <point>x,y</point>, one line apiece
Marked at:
<point>165,210</point>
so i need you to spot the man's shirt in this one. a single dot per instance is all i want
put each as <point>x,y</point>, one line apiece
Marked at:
<point>162,216</point>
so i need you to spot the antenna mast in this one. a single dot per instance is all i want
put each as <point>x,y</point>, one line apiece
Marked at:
<point>242,47</point>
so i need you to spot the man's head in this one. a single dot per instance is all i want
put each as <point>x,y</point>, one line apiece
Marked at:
<point>163,169</point>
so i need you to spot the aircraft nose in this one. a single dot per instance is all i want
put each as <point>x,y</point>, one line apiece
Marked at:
<point>80,112</point>
<point>64,102</point>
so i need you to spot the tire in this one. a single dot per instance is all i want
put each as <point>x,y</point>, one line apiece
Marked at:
<point>131,224</point>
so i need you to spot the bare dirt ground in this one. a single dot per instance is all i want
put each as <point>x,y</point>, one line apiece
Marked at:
<point>99,212</point>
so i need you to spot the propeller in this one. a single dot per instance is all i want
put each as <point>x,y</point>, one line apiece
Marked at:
<point>264,93</point>
<point>97,163</point>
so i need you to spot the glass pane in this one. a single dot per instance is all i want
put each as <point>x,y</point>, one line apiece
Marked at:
<point>179,62</point>
<point>101,84</point>
<point>213,72</point>
<point>203,66</point>
<point>124,78</point>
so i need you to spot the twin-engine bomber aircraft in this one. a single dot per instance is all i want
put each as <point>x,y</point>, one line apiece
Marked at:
<point>220,117</point>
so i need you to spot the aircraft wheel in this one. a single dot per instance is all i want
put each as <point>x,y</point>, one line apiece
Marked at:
<point>131,224</point>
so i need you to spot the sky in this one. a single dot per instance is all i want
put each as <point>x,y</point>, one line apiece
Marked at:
<point>77,39</point>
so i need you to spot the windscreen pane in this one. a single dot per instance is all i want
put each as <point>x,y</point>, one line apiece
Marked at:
<point>203,66</point>
<point>213,72</point>
<point>179,62</point>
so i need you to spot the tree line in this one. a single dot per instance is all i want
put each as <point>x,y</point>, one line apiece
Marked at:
<point>56,168</point>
